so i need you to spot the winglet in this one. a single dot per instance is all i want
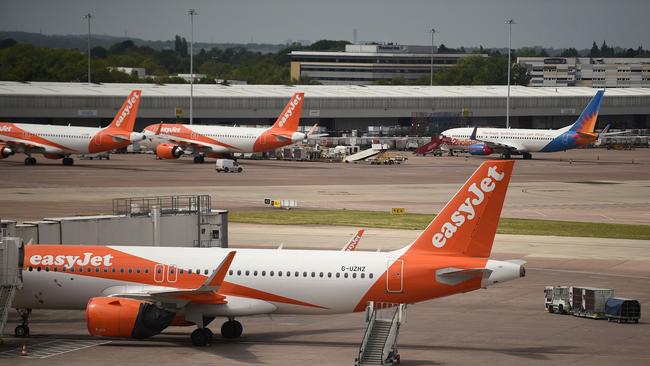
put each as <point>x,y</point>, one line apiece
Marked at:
<point>473,135</point>
<point>312,129</point>
<point>214,281</point>
<point>159,129</point>
<point>605,130</point>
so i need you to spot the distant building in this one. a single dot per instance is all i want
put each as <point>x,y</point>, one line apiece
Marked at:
<point>138,72</point>
<point>367,64</point>
<point>188,77</point>
<point>594,72</point>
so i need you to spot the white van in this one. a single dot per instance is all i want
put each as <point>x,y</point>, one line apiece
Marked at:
<point>228,166</point>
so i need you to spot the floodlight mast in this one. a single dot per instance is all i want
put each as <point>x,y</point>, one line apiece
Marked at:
<point>192,13</point>
<point>88,16</point>
<point>509,22</point>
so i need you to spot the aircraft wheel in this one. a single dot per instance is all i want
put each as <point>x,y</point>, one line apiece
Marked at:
<point>528,156</point>
<point>68,161</point>
<point>199,159</point>
<point>21,331</point>
<point>201,337</point>
<point>30,161</point>
<point>231,329</point>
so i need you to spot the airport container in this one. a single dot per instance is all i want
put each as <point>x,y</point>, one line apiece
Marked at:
<point>622,310</point>
<point>589,301</point>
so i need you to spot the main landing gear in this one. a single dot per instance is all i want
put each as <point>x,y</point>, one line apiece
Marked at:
<point>23,329</point>
<point>199,159</point>
<point>30,161</point>
<point>505,155</point>
<point>527,156</point>
<point>68,161</point>
<point>230,330</point>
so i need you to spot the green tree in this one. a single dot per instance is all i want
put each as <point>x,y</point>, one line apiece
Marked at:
<point>595,51</point>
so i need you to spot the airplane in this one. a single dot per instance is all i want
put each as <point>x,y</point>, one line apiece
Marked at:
<point>137,292</point>
<point>171,141</point>
<point>60,142</point>
<point>509,142</point>
<point>354,241</point>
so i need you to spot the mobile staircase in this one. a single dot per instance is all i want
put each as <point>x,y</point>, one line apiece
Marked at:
<point>379,346</point>
<point>375,149</point>
<point>10,263</point>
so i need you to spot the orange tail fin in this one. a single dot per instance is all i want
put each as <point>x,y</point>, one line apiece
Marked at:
<point>467,224</point>
<point>289,119</point>
<point>125,118</point>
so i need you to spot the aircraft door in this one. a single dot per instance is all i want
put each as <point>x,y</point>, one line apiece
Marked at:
<point>395,276</point>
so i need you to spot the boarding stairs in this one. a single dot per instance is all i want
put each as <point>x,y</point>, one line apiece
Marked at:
<point>375,149</point>
<point>379,346</point>
<point>10,253</point>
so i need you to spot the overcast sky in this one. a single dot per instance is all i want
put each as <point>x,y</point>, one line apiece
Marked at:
<point>549,23</point>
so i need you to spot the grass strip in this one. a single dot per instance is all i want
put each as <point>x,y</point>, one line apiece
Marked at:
<point>416,221</point>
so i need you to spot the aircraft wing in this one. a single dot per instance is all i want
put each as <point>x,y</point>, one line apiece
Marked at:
<point>207,293</point>
<point>120,137</point>
<point>495,144</point>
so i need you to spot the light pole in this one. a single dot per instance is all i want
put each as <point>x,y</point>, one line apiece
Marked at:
<point>509,22</point>
<point>433,32</point>
<point>89,17</point>
<point>191,13</point>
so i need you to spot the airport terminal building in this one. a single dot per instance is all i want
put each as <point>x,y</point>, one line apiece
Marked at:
<point>423,109</point>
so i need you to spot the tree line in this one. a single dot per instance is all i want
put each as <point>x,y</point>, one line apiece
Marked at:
<point>26,62</point>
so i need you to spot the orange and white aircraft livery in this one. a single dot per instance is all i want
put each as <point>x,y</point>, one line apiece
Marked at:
<point>59,142</point>
<point>170,141</point>
<point>139,291</point>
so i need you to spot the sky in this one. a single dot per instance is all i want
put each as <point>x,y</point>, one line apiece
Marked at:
<point>548,23</point>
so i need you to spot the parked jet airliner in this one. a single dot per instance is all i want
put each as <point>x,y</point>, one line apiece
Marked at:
<point>170,141</point>
<point>60,142</point>
<point>137,292</point>
<point>524,141</point>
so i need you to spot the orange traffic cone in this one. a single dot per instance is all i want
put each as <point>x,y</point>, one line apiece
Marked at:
<point>23,352</point>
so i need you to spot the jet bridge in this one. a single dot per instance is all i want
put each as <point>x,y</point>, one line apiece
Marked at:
<point>379,345</point>
<point>11,258</point>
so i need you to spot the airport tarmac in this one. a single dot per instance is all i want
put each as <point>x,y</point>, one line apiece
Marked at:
<point>578,185</point>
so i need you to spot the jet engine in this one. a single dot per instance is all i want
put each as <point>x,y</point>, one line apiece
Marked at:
<point>480,149</point>
<point>168,151</point>
<point>5,152</point>
<point>127,318</point>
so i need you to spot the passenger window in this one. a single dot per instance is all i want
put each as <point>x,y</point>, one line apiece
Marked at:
<point>271,273</point>
<point>89,269</point>
<point>105,270</point>
<point>370,275</point>
<point>338,275</point>
<point>113,270</point>
<point>122,270</point>
<point>71,269</point>
<point>297,274</point>
<point>205,272</point>
<point>263,273</point>
<point>159,271</point>
<point>238,272</point>
<point>47,269</point>
<point>254,273</point>
<point>354,275</point>
<point>320,275</point>
<point>345,275</point>
<point>313,274</point>
<point>288,274</point>
<point>55,269</point>
<point>229,272</point>
<point>247,273</point>
<point>131,270</point>
<point>363,275</point>
<point>181,271</point>
<point>304,274</point>
<point>97,269</point>
<point>329,274</point>
<point>63,269</point>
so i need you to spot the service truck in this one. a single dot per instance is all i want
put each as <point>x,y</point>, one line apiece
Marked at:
<point>556,299</point>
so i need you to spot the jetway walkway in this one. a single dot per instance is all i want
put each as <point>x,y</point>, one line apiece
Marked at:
<point>11,256</point>
<point>379,345</point>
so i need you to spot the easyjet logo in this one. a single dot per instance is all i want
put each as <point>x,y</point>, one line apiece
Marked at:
<point>292,105</point>
<point>127,110</point>
<point>5,128</point>
<point>467,210</point>
<point>170,129</point>
<point>70,261</point>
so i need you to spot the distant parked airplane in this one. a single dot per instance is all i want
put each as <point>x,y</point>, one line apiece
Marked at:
<point>60,142</point>
<point>509,141</point>
<point>137,292</point>
<point>173,140</point>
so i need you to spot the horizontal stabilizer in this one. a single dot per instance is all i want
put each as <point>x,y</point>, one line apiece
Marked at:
<point>453,276</point>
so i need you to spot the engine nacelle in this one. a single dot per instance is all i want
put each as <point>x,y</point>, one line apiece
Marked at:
<point>168,151</point>
<point>480,149</point>
<point>126,318</point>
<point>5,152</point>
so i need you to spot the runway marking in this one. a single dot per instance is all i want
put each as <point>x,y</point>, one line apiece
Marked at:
<point>587,272</point>
<point>52,348</point>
